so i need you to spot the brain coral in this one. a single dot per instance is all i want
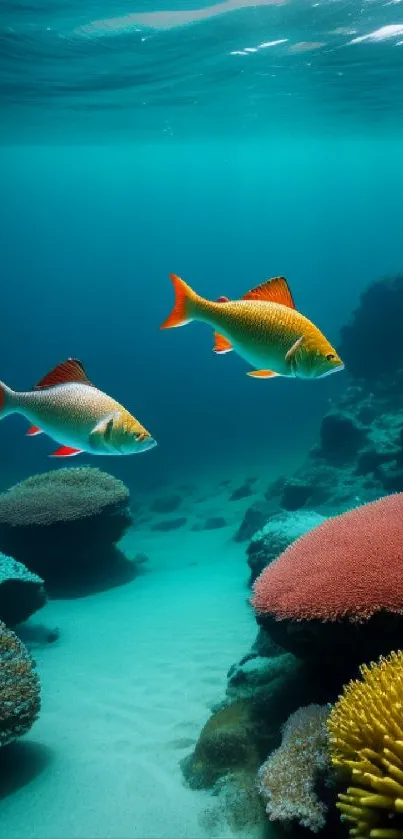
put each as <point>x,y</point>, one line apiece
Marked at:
<point>19,688</point>
<point>366,746</point>
<point>351,566</point>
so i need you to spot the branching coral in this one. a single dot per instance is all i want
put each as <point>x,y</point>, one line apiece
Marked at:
<point>287,779</point>
<point>366,744</point>
<point>19,688</point>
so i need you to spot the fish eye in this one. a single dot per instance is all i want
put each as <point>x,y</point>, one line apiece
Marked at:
<point>330,356</point>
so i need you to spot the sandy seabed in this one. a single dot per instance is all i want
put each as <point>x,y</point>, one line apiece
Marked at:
<point>126,690</point>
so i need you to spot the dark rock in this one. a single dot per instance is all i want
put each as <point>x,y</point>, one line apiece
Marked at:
<point>391,477</point>
<point>242,492</point>
<point>375,323</point>
<point>369,460</point>
<point>254,518</point>
<point>334,650</point>
<point>275,489</point>
<point>167,504</point>
<point>340,437</point>
<point>169,524</point>
<point>296,494</point>
<point>275,536</point>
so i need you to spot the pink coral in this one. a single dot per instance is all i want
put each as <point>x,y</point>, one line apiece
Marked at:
<point>351,566</point>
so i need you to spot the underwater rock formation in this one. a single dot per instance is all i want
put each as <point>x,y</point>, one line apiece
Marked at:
<point>341,437</point>
<point>366,747</point>
<point>19,688</point>
<point>63,525</point>
<point>269,542</point>
<point>243,491</point>
<point>375,323</point>
<point>21,592</point>
<point>335,594</point>
<point>288,777</point>
<point>254,518</point>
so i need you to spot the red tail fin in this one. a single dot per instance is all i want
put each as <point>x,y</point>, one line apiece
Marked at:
<point>182,310</point>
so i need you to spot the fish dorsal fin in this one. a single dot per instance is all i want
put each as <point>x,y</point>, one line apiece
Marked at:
<point>275,290</point>
<point>68,371</point>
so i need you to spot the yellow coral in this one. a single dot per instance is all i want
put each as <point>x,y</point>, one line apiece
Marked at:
<point>366,744</point>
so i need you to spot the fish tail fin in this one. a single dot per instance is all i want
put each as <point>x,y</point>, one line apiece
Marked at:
<point>185,305</point>
<point>6,400</point>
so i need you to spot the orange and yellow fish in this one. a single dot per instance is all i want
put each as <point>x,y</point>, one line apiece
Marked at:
<point>78,416</point>
<point>264,328</point>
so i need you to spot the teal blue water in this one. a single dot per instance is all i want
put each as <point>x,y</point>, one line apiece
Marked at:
<point>88,236</point>
<point>184,69</point>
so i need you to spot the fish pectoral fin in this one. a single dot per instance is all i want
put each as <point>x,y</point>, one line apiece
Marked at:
<point>70,370</point>
<point>33,431</point>
<point>221,344</point>
<point>291,352</point>
<point>262,374</point>
<point>275,290</point>
<point>104,426</point>
<point>65,451</point>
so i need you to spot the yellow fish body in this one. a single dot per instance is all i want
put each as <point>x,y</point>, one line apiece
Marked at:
<point>264,328</point>
<point>78,416</point>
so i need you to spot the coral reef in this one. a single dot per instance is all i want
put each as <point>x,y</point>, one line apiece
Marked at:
<point>19,688</point>
<point>63,525</point>
<point>366,746</point>
<point>21,592</point>
<point>287,778</point>
<point>282,529</point>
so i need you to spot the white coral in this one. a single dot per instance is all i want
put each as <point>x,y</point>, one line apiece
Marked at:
<point>286,780</point>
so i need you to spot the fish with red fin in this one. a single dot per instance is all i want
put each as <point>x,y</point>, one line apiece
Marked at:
<point>66,406</point>
<point>264,328</point>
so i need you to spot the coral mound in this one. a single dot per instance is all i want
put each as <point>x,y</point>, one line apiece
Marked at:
<point>366,744</point>
<point>63,523</point>
<point>19,688</point>
<point>61,496</point>
<point>351,566</point>
<point>21,592</point>
<point>287,778</point>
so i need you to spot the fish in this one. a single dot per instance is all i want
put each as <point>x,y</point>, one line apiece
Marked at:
<point>67,407</point>
<point>264,328</point>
